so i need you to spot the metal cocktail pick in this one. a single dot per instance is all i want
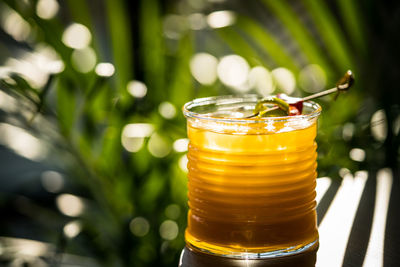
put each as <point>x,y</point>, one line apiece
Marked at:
<point>342,85</point>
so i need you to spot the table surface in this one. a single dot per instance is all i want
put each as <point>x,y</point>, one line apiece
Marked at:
<point>358,222</point>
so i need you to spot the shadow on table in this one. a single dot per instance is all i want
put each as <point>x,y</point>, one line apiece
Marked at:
<point>192,258</point>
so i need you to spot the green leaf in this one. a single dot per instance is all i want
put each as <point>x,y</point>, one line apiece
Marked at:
<point>66,106</point>
<point>240,46</point>
<point>299,32</point>
<point>266,41</point>
<point>152,47</point>
<point>335,42</point>
<point>353,21</point>
<point>121,41</point>
<point>180,85</point>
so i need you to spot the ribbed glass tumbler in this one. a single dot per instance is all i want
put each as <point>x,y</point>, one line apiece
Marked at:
<point>251,182</point>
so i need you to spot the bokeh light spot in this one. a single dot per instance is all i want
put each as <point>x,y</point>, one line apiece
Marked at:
<point>52,181</point>
<point>379,125</point>
<point>220,19</point>
<point>261,79</point>
<point>138,130</point>
<point>139,226</point>
<point>47,9</point>
<point>203,67</point>
<point>169,230</point>
<point>181,145</point>
<point>83,60</point>
<point>173,211</point>
<point>137,89</point>
<point>72,229</point>
<point>312,78</point>
<point>174,26</point>
<point>76,36</point>
<point>348,131</point>
<point>105,69</point>
<point>233,70</point>
<point>197,21</point>
<point>132,137</point>
<point>357,154</point>
<point>132,144</point>
<point>158,146</point>
<point>284,80</point>
<point>70,205</point>
<point>167,110</point>
<point>183,162</point>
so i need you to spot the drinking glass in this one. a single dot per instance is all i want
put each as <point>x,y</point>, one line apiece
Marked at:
<point>251,181</point>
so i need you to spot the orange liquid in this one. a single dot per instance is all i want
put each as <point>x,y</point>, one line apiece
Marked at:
<point>251,193</point>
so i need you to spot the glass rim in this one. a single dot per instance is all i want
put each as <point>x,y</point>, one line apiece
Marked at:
<point>204,101</point>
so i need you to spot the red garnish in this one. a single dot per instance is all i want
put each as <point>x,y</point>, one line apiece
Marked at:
<point>295,104</point>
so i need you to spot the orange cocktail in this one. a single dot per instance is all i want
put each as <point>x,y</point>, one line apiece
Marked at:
<point>251,181</point>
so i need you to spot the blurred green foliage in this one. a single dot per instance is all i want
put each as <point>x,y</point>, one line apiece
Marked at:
<point>80,113</point>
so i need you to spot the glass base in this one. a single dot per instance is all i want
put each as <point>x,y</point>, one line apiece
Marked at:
<point>222,252</point>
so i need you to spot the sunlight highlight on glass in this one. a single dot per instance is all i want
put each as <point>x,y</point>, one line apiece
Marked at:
<point>77,36</point>
<point>47,9</point>
<point>203,67</point>
<point>70,205</point>
<point>220,19</point>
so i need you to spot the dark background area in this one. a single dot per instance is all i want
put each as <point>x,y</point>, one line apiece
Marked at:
<point>93,165</point>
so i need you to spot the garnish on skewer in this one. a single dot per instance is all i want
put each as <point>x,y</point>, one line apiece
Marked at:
<point>283,105</point>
